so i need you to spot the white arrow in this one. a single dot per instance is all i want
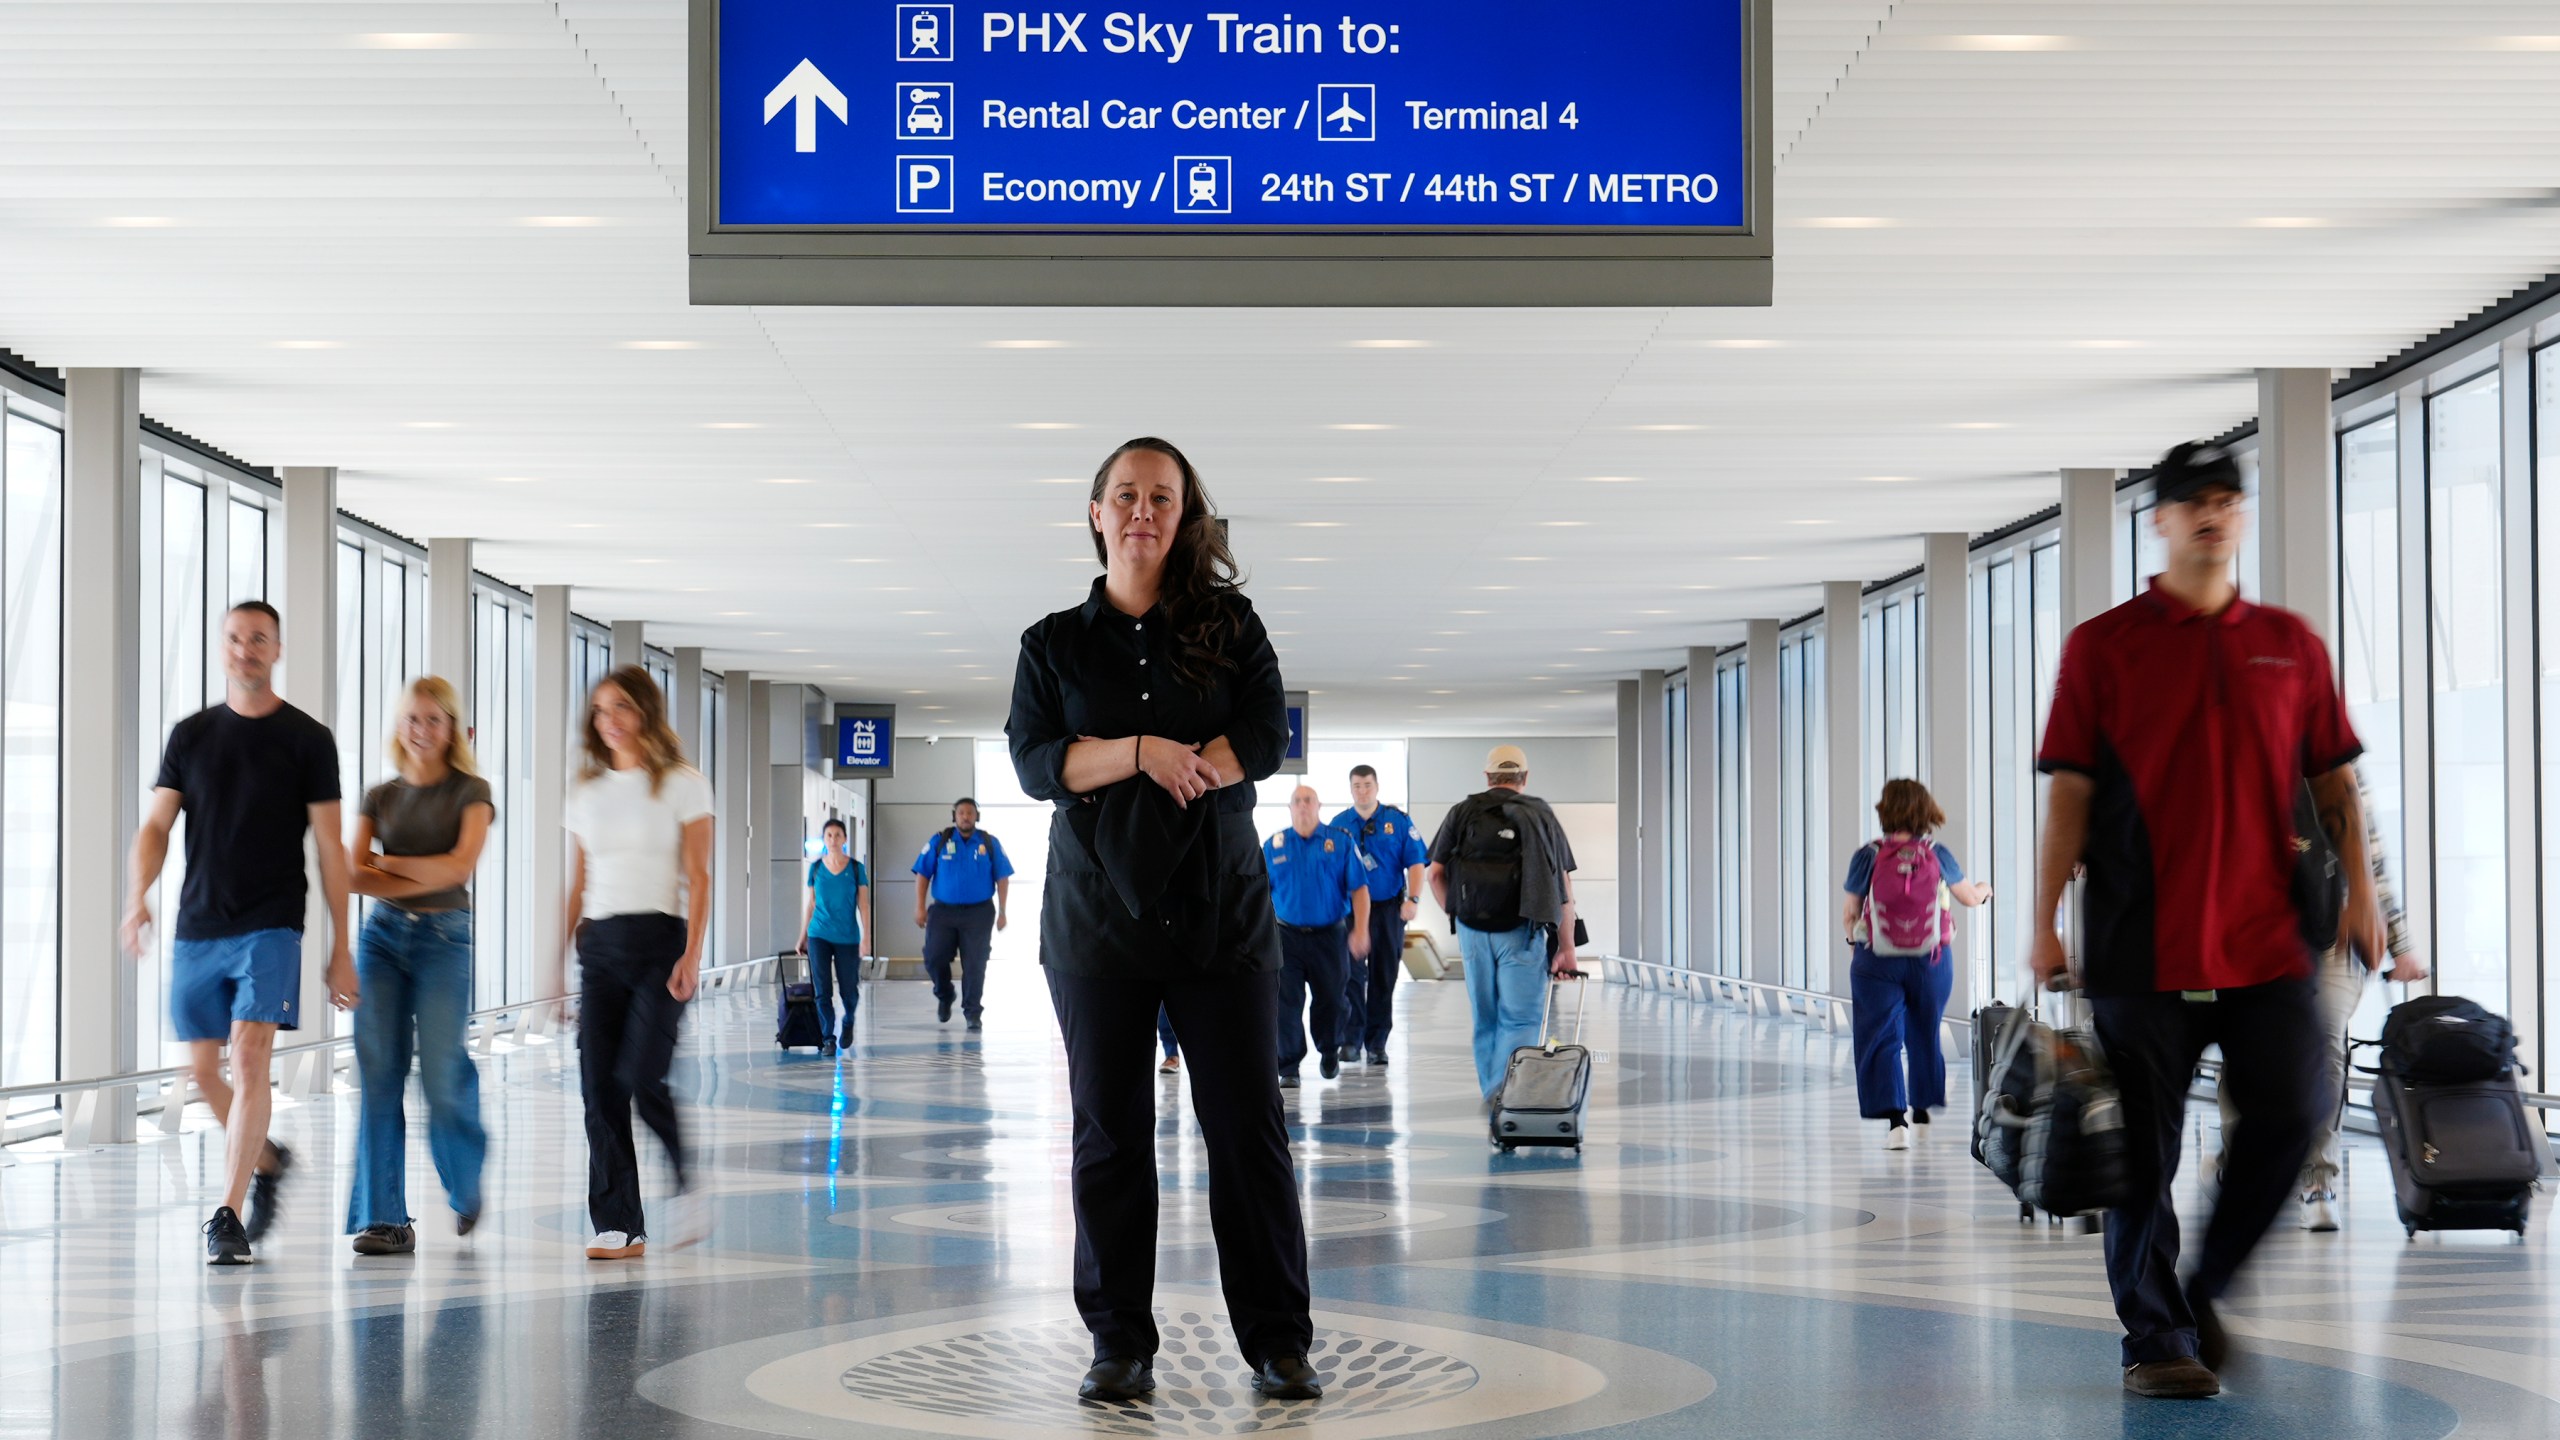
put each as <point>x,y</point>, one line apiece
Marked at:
<point>805,87</point>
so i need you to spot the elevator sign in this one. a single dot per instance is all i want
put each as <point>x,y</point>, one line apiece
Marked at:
<point>1498,132</point>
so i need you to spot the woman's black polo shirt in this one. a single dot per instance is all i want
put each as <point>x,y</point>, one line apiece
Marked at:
<point>2196,729</point>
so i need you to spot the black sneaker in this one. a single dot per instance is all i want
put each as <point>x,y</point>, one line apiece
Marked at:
<point>1377,1059</point>
<point>225,1241</point>
<point>826,1049</point>
<point>266,1191</point>
<point>386,1240</point>
<point>975,1025</point>
<point>1330,1066</point>
<point>942,1012</point>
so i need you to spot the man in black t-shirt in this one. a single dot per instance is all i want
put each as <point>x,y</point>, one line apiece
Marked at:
<point>251,775</point>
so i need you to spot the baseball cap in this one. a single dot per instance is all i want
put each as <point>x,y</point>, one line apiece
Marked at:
<point>1506,760</point>
<point>2190,469</point>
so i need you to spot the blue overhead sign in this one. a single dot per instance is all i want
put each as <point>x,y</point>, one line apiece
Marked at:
<point>1293,756</point>
<point>1477,114</point>
<point>866,741</point>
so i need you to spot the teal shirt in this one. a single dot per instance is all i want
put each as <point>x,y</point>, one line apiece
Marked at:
<point>837,918</point>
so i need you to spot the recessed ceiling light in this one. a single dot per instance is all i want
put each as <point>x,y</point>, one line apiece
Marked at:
<point>1310,559</point>
<point>415,40</point>
<point>1340,479</point>
<point>919,692</point>
<point>1542,677</point>
<point>1746,559</point>
<point>1298,587</point>
<point>1454,632</point>
<point>1657,612</point>
<point>828,525</point>
<point>1391,344</point>
<point>586,524</point>
<point>139,222</point>
<point>1617,632</point>
<point>1046,425</point>
<point>1701,587</point>
<point>732,425</point>
<point>693,589</point>
<point>1612,479</point>
<point>1444,692</point>
<point>2009,42</point>
<point>1526,559</point>
<point>1811,522</point>
<point>1569,664</point>
<point>1360,425</point>
<point>661,344</point>
<point>1568,692</point>
<point>1026,344</point>
<point>1281,632</point>
<point>2106,344</point>
<point>308,344</point>
<point>1742,344</point>
<point>956,650</point>
<point>511,480</point>
<point>787,480</point>
<point>892,589</point>
<point>2286,222</point>
<point>1493,587</point>
<point>1430,649</point>
<point>734,614</point>
<point>1564,524</point>
<point>767,634</point>
<point>647,560</point>
<point>1317,524</point>
<point>1061,480</point>
<point>1399,677</point>
<point>1888,479</point>
<point>1586,649</point>
<point>565,222</point>
<point>426,424</point>
<point>1847,222</point>
<point>915,612</point>
<point>864,560</point>
<point>1669,427</point>
<point>928,707</point>
<point>2524,42</point>
<point>1467,612</point>
<point>797,650</point>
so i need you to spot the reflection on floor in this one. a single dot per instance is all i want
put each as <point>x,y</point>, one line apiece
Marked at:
<point>1735,1255</point>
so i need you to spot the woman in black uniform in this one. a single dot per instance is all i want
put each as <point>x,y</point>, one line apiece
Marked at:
<point>1146,714</point>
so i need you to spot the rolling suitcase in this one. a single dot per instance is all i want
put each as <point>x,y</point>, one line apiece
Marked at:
<point>1544,1086</point>
<point>796,1026</point>
<point>2465,1154</point>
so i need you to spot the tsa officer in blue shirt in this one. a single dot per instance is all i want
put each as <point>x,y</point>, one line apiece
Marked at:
<point>962,882</point>
<point>1315,881</point>
<point>1391,857</point>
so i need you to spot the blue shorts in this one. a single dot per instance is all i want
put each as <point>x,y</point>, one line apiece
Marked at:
<point>257,977</point>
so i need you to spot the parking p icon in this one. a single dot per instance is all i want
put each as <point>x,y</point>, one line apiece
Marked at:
<point>927,184</point>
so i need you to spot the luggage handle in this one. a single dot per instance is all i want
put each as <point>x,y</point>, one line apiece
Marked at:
<point>1546,1023</point>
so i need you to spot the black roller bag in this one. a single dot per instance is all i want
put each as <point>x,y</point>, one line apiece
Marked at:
<point>2464,1152</point>
<point>1545,1085</point>
<point>2051,1125</point>
<point>795,1025</point>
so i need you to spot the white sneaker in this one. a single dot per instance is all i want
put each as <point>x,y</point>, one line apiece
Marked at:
<point>2318,1213</point>
<point>615,1245</point>
<point>1898,1138</point>
<point>689,1220</point>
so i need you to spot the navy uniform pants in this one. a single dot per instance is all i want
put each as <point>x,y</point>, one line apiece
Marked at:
<point>967,931</point>
<point>1310,990</point>
<point>1369,986</point>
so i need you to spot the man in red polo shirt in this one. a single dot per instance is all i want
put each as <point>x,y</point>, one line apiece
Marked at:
<point>2183,723</point>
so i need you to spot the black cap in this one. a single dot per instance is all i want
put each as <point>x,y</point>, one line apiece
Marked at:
<point>2190,469</point>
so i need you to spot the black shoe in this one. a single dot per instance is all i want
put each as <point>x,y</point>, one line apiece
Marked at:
<point>2179,1379</point>
<point>386,1240</point>
<point>942,1012</point>
<point>465,1221</point>
<point>1378,1059</point>
<point>826,1049</point>
<point>2213,1343</point>
<point>1288,1079</point>
<point>845,1042</point>
<point>1331,1066</point>
<point>1287,1377</point>
<point>225,1241</point>
<point>976,1026</point>
<point>266,1191</point>
<point>1117,1381</point>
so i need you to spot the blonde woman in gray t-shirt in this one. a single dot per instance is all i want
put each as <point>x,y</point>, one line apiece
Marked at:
<point>417,841</point>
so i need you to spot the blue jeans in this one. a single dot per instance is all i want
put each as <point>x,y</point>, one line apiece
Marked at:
<point>833,963</point>
<point>1507,985</point>
<point>1895,1004</point>
<point>413,972</point>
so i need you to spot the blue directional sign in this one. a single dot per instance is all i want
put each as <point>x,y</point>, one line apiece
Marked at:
<point>1293,758</point>
<point>1467,115</point>
<point>866,741</point>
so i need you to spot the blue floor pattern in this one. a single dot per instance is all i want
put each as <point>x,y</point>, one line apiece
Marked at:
<point>1734,1254</point>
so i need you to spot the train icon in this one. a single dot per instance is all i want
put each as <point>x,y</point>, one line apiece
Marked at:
<point>925,32</point>
<point>1203,184</point>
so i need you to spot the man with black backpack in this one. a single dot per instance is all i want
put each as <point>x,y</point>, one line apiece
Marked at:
<point>2184,725</point>
<point>1503,870</point>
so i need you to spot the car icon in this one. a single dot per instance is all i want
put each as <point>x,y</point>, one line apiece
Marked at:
<point>924,33</point>
<point>1204,184</point>
<point>925,119</point>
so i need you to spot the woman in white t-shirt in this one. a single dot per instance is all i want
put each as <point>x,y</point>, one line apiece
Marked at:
<point>639,892</point>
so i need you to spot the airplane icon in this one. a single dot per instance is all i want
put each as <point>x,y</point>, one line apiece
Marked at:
<point>1346,112</point>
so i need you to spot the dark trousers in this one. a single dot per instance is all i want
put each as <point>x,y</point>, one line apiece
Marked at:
<point>966,931</point>
<point>1226,1026</point>
<point>1895,1005</point>
<point>1310,990</point>
<point>1164,1033</point>
<point>832,964</point>
<point>2272,1070</point>
<point>1369,986</point>
<point>626,1041</point>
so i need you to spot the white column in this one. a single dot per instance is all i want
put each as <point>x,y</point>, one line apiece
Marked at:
<point>1700,743</point>
<point>2524,879</point>
<point>1630,826</point>
<point>102,764</point>
<point>308,681</point>
<point>2298,498</point>
<point>737,804</point>
<point>1765,877</point>
<point>1653,819</point>
<point>449,633</point>
<point>1948,668</point>
<point>1843,603</point>
<point>2417,694</point>
<point>553,716</point>
<point>687,703</point>
<point>628,643</point>
<point>2088,545</point>
<point>759,808</point>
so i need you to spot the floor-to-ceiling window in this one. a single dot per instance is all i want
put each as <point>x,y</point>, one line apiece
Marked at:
<point>1675,745</point>
<point>502,725</point>
<point>2546,479</point>
<point>2466,629</point>
<point>1733,808</point>
<point>1793,936</point>
<point>662,669</point>
<point>2369,639</point>
<point>31,779</point>
<point>1892,729</point>
<point>1804,774</point>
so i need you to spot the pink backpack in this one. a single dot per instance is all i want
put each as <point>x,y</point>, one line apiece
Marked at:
<point>1905,911</point>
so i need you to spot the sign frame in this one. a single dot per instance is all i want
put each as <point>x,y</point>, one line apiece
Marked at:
<point>1304,735</point>
<point>887,769</point>
<point>1172,266</point>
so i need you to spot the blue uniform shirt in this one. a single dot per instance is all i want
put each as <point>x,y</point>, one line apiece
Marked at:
<point>1387,845</point>
<point>965,869</point>
<point>1312,880</point>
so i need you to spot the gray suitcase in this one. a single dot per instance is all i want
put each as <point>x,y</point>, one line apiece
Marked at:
<point>1544,1086</point>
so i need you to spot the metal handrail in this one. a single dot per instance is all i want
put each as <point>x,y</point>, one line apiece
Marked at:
<point>173,1072</point>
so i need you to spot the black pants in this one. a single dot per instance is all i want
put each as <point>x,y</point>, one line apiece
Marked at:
<point>626,1040</point>
<point>2272,1069</point>
<point>833,964</point>
<point>1310,992</point>
<point>1226,1026</point>
<point>1369,986</point>
<point>967,931</point>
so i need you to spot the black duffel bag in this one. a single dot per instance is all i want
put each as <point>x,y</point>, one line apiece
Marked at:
<point>2052,1125</point>
<point>2445,1039</point>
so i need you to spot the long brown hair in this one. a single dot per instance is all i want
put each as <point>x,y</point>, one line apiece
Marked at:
<point>660,750</point>
<point>1907,808</point>
<point>1201,593</point>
